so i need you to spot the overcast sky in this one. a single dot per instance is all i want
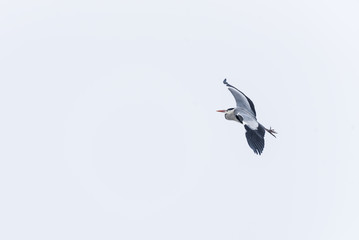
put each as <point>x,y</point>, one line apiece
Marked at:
<point>108,127</point>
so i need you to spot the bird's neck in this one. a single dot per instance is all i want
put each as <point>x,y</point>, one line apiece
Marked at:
<point>230,115</point>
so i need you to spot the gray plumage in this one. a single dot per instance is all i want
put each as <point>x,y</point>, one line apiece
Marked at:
<point>245,113</point>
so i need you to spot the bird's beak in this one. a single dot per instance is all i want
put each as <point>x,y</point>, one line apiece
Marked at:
<point>221,111</point>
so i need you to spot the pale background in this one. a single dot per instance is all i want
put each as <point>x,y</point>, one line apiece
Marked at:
<point>108,127</point>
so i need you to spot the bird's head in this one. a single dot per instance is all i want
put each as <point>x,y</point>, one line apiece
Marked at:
<point>226,111</point>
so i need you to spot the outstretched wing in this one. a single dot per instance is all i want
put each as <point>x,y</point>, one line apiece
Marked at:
<point>243,102</point>
<point>255,138</point>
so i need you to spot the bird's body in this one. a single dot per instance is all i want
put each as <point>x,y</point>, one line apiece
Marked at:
<point>245,113</point>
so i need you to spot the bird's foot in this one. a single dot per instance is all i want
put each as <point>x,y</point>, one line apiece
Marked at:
<point>271,131</point>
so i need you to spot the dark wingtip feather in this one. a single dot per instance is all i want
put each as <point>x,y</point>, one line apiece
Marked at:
<point>255,139</point>
<point>225,81</point>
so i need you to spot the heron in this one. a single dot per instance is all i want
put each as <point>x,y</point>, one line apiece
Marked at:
<point>245,114</point>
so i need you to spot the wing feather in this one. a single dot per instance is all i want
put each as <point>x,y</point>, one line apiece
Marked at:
<point>255,138</point>
<point>241,99</point>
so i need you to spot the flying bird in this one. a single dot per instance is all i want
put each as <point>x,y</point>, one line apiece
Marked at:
<point>245,113</point>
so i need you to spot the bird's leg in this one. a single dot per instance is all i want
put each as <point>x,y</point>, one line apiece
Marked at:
<point>271,131</point>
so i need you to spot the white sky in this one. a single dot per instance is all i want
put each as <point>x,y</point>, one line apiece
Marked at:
<point>109,131</point>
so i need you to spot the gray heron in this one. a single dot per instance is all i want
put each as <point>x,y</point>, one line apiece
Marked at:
<point>245,113</point>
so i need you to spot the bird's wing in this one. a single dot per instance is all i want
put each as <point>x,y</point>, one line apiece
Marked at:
<point>255,138</point>
<point>246,117</point>
<point>243,102</point>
